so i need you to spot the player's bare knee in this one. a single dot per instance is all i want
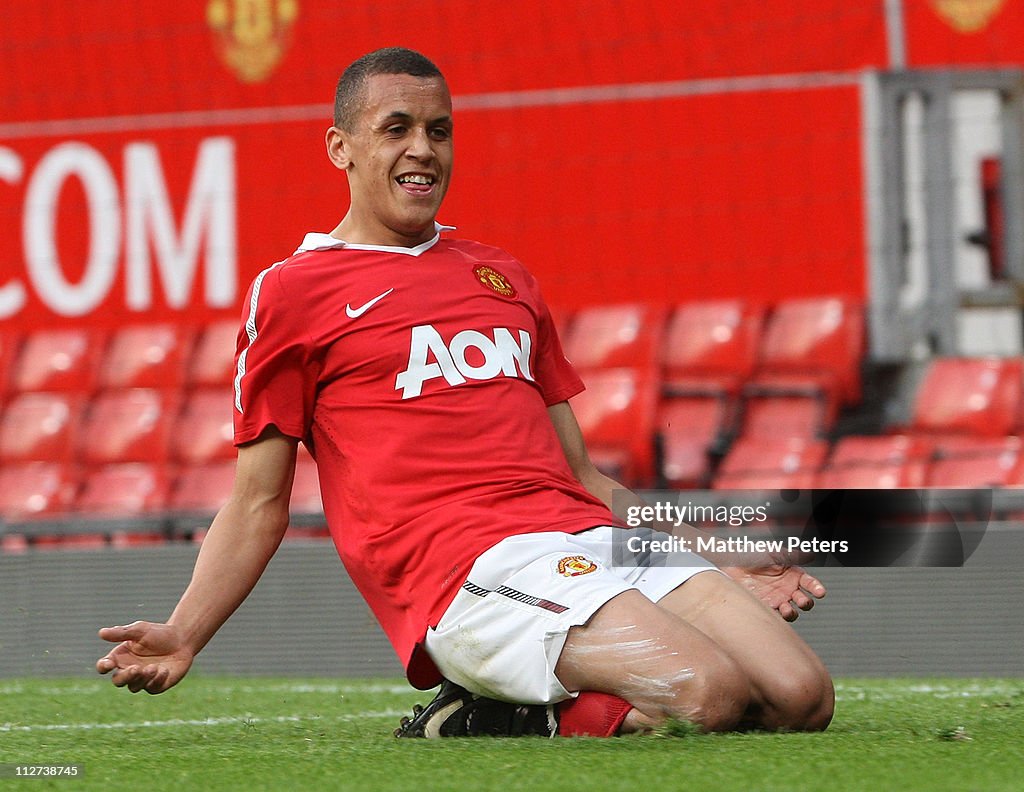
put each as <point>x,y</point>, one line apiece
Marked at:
<point>803,700</point>
<point>820,713</point>
<point>817,711</point>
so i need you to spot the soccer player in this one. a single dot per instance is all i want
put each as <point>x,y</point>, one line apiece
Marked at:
<point>426,377</point>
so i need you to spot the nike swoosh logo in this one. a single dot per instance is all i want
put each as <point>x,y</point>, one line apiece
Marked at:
<point>354,313</point>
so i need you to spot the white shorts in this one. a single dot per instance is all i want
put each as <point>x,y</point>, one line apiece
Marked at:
<point>504,631</point>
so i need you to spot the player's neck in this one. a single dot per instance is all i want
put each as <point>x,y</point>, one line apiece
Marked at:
<point>357,232</point>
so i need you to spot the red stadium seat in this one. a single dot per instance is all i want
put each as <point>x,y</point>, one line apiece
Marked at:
<point>13,543</point>
<point>204,431</point>
<point>131,425</point>
<point>974,462</point>
<point>880,475</point>
<point>813,345</point>
<point>203,488</point>
<point>969,395</point>
<point>616,414</point>
<point>690,428</point>
<point>614,336</point>
<point>870,449</point>
<point>146,356</point>
<point>765,463</point>
<point>58,360</point>
<point>40,427</point>
<point>306,497</point>
<point>36,489</point>
<point>785,416</point>
<point>123,490</point>
<point>128,539</point>
<point>876,462</point>
<point>73,541</point>
<point>213,357</point>
<point>711,346</point>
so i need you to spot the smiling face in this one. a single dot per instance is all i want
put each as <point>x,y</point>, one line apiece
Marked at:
<point>398,157</point>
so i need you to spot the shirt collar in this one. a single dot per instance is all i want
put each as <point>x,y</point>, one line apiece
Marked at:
<point>318,241</point>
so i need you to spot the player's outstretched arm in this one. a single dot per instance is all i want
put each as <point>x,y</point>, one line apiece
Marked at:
<point>241,541</point>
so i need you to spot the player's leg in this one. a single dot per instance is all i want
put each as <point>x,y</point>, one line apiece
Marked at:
<point>503,635</point>
<point>789,686</point>
<point>710,637</point>
<point>664,667</point>
<point>623,648</point>
<point>639,654</point>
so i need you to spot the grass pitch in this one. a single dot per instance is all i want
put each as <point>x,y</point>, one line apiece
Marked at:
<point>230,733</point>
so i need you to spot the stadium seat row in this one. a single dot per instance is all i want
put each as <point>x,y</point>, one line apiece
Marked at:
<point>52,490</point>
<point>957,398</point>
<point>624,408</point>
<point>724,346</point>
<point>78,360</point>
<point>710,346</point>
<point>873,462</point>
<point>35,491</point>
<point>716,393</point>
<point>95,397</point>
<point>129,425</point>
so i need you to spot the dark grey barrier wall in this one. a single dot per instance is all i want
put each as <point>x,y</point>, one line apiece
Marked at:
<point>306,618</point>
<point>946,621</point>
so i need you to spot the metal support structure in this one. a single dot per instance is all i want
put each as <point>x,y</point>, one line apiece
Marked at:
<point>895,34</point>
<point>1012,115</point>
<point>906,323</point>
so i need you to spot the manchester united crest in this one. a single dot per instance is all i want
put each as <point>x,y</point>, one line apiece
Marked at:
<point>251,36</point>
<point>967,16</point>
<point>494,281</point>
<point>574,566</point>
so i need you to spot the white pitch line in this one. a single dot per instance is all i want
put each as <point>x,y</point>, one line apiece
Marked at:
<point>327,688</point>
<point>17,689</point>
<point>848,692</point>
<point>238,720</point>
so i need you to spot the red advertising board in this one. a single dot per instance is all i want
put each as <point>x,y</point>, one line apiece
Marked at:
<point>155,156</point>
<point>965,32</point>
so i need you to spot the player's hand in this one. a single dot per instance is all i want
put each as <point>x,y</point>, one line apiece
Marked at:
<point>780,587</point>
<point>148,656</point>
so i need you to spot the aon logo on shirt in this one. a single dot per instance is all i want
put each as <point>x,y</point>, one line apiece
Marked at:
<point>470,355</point>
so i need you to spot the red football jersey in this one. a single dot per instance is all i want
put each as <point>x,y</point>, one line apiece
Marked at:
<point>420,380</point>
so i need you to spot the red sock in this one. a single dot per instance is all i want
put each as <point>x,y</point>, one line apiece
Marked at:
<point>592,715</point>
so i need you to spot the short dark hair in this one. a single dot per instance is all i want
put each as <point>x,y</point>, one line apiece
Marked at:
<point>390,60</point>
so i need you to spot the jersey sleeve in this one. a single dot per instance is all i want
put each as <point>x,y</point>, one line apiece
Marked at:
<point>275,369</point>
<point>556,376</point>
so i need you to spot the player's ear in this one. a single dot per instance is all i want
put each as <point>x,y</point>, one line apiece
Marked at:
<point>339,148</point>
